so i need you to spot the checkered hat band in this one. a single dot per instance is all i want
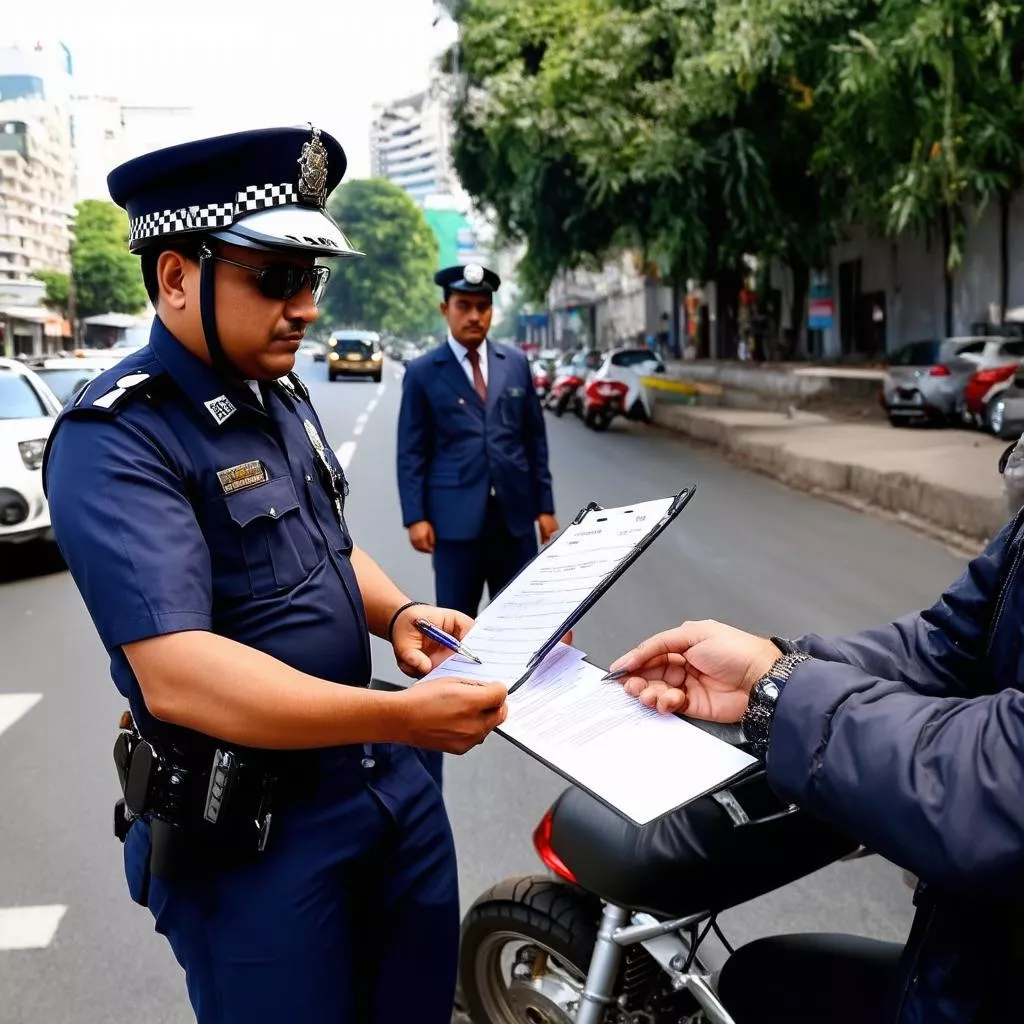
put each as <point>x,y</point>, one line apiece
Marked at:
<point>213,215</point>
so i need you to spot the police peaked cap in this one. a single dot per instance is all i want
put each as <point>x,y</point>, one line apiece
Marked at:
<point>470,278</point>
<point>263,189</point>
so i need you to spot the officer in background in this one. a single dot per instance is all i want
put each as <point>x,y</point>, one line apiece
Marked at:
<point>472,453</point>
<point>293,850</point>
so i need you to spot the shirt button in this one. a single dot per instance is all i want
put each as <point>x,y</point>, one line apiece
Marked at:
<point>273,511</point>
<point>309,479</point>
<point>368,763</point>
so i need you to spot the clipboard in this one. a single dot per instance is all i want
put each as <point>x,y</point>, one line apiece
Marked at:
<point>679,502</point>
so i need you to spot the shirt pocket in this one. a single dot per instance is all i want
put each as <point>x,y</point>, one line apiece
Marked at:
<point>269,548</point>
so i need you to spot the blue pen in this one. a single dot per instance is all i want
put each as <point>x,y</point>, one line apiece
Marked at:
<point>439,636</point>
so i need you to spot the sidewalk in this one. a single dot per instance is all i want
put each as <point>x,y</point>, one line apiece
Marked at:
<point>945,481</point>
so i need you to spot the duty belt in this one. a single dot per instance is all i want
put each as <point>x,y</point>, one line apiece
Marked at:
<point>229,795</point>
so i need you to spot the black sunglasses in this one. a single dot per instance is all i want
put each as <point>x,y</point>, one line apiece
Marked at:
<point>283,280</point>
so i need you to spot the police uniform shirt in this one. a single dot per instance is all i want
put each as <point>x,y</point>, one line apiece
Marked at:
<point>462,355</point>
<point>183,503</point>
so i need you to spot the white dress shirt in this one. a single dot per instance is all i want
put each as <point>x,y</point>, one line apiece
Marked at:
<point>462,355</point>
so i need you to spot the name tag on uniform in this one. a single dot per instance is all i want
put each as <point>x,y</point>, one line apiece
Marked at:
<point>239,478</point>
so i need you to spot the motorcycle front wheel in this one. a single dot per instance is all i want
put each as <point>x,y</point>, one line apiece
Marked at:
<point>526,946</point>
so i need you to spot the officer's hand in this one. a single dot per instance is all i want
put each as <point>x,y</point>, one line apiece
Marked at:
<point>703,669</point>
<point>548,526</point>
<point>421,536</point>
<point>451,714</point>
<point>416,654</point>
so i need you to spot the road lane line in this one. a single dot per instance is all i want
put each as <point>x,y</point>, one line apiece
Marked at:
<point>373,405</point>
<point>29,927</point>
<point>381,388</point>
<point>345,453</point>
<point>360,424</point>
<point>14,705</point>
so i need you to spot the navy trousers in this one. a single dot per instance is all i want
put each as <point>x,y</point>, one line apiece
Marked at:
<point>462,567</point>
<point>350,916</point>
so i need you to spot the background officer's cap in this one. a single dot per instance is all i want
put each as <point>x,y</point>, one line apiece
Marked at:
<point>264,189</point>
<point>470,278</point>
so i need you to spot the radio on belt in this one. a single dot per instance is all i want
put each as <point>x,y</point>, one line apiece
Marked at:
<point>222,780</point>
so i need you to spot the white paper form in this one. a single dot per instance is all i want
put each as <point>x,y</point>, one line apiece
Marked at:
<point>642,763</point>
<point>510,630</point>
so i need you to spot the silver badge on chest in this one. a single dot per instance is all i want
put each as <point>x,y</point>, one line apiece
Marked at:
<point>336,486</point>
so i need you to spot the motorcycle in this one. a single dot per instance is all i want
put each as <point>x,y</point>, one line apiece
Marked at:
<point>615,933</point>
<point>603,400</point>
<point>564,393</point>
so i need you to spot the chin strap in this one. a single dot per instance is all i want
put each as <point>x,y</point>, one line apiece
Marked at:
<point>208,312</point>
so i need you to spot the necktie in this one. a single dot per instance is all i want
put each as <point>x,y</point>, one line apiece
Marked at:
<point>478,378</point>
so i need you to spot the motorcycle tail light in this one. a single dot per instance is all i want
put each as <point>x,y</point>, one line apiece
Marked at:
<point>995,375</point>
<point>546,852</point>
<point>940,371</point>
<point>606,389</point>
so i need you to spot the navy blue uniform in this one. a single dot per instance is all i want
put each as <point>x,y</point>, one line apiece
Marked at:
<point>476,471</point>
<point>357,887</point>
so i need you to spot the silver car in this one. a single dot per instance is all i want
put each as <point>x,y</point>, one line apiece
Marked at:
<point>926,380</point>
<point>1006,412</point>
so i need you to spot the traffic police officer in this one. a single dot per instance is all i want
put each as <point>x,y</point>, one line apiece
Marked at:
<point>282,831</point>
<point>473,472</point>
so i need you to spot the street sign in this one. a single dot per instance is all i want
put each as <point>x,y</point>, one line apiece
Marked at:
<point>822,314</point>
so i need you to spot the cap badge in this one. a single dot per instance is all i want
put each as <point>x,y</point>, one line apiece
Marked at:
<point>473,274</point>
<point>313,169</point>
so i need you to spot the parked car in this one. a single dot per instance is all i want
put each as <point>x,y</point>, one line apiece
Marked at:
<point>989,381</point>
<point>629,366</point>
<point>926,380</point>
<point>1006,412</point>
<point>28,409</point>
<point>354,354</point>
<point>65,376</point>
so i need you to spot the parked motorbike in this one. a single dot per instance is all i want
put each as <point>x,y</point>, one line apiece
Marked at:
<point>602,401</point>
<point>615,934</point>
<point>564,393</point>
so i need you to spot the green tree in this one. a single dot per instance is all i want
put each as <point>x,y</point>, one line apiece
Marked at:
<point>107,277</point>
<point>57,288</point>
<point>390,289</point>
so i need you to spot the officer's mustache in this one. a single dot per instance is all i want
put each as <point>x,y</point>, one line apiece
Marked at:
<point>297,326</point>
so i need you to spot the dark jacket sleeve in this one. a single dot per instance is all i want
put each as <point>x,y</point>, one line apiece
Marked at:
<point>935,784</point>
<point>941,650</point>
<point>536,440</point>
<point>415,446</point>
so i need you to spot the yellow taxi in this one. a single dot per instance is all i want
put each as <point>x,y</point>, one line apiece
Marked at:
<point>354,354</point>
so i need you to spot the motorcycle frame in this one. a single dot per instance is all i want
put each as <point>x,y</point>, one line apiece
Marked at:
<point>621,928</point>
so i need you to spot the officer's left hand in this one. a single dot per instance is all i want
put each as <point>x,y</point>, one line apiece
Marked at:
<point>548,526</point>
<point>416,654</point>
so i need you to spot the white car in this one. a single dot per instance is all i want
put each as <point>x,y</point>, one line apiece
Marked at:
<point>28,409</point>
<point>65,376</point>
<point>629,366</point>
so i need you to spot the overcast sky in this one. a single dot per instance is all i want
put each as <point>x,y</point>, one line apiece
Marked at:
<point>247,64</point>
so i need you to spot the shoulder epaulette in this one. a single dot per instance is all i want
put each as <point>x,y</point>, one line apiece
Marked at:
<point>296,383</point>
<point>111,391</point>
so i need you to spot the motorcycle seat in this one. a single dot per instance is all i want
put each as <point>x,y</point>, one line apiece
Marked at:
<point>695,859</point>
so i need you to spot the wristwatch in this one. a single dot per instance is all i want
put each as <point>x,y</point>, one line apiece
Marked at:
<point>757,719</point>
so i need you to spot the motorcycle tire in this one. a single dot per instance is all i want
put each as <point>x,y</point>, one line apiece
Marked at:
<point>531,910</point>
<point>561,405</point>
<point>598,420</point>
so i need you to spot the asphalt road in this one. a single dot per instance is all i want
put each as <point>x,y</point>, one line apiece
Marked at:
<point>746,550</point>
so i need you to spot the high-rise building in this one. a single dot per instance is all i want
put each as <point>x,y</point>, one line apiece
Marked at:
<point>108,132</point>
<point>36,166</point>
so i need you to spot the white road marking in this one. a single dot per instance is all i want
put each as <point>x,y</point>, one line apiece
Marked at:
<point>373,405</point>
<point>29,927</point>
<point>360,424</point>
<point>345,453</point>
<point>14,705</point>
<point>381,388</point>
<point>399,372</point>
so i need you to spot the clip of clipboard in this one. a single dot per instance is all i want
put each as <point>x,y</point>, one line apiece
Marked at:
<point>679,502</point>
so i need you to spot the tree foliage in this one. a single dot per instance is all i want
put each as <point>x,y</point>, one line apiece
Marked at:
<point>107,277</point>
<point>57,288</point>
<point>390,289</point>
<point>699,131</point>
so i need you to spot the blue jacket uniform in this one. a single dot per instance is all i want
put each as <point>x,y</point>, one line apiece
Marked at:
<point>453,448</point>
<point>911,738</point>
<point>182,502</point>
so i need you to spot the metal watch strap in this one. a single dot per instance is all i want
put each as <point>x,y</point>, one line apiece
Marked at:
<point>757,719</point>
<point>785,646</point>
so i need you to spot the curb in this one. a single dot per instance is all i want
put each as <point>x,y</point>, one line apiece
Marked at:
<point>975,518</point>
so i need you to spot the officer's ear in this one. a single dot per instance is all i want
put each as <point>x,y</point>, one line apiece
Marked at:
<point>173,271</point>
<point>444,309</point>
